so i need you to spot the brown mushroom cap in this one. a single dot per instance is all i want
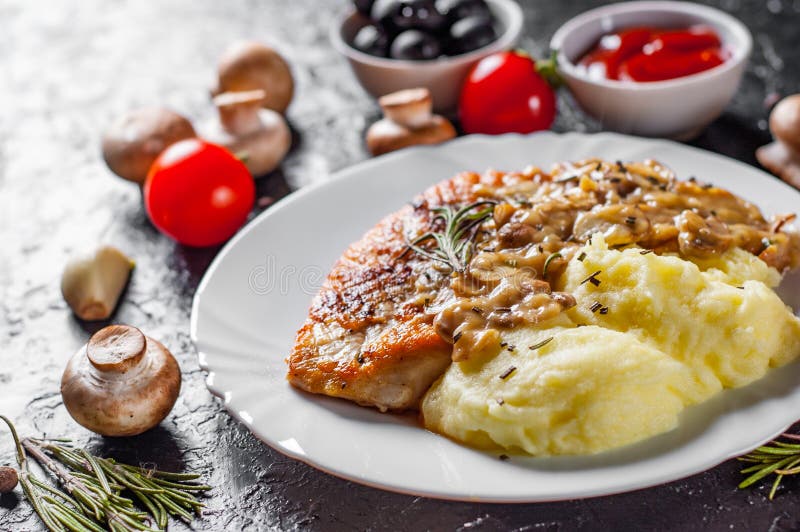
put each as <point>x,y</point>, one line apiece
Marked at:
<point>134,141</point>
<point>408,121</point>
<point>121,383</point>
<point>238,111</point>
<point>8,479</point>
<point>784,121</point>
<point>265,148</point>
<point>386,135</point>
<point>250,65</point>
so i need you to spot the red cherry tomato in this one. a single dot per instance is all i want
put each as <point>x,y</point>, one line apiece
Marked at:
<point>503,93</point>
<point>198,193</point>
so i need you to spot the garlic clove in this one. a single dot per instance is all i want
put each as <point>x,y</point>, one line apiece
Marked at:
<point>91,285</point>
<point>411,108</point>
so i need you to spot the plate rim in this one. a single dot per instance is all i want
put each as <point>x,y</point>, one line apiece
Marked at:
<point>351,172</point>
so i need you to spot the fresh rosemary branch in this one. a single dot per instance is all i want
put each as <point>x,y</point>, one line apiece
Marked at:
<point>453,245</point>
<point>93,498</point>
<point>777,457</point>
<point>54,507</point>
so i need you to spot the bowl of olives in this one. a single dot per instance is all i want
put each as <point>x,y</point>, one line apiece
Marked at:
<point>400,44</point>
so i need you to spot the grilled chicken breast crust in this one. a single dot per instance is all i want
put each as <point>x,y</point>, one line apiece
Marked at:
<point>367,337</point>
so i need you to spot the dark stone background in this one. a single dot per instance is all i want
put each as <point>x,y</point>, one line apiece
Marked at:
<point>67,68</point>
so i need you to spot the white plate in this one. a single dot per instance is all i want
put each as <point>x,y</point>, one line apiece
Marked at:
<point>256,293</point>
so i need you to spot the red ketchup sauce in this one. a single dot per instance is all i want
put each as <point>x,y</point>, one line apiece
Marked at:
<point>654,54</point>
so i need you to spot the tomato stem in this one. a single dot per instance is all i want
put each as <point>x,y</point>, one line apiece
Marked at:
<point>548,69</point>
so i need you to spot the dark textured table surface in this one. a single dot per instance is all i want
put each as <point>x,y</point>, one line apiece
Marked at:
<point>67,68</point>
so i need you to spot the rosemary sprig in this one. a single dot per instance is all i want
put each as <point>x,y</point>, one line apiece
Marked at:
<point>453,245</point>
<point>55,508</point>
<point>93,498</point>
<point>777,457</point>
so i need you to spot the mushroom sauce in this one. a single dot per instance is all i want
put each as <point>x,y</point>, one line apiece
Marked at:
<point>538,225</point>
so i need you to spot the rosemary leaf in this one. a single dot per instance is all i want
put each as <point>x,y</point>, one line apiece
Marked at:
<point>785,445</point>
<point>541,344</point>
<point>756,467</point>
<point>763,472</point>
<point>775,485</point>
<point>547,262</point>
<point>453,245</point>
<point>38,505</point>
<point>777,451</point>
<point>97,470</point>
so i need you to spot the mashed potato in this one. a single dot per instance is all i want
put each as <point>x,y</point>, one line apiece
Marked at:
<point>674,334</point>
<point>728,330</point>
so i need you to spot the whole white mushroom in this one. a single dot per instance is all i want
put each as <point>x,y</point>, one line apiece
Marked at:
<point>782,156</point>
<point>121,383</point>
<point>134,141</point>
<point>408,121</point>
<point>250,65</point>
<point>260,137</point>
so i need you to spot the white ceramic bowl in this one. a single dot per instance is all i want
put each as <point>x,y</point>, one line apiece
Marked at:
<point>442,76</point>
<point>678,108</point>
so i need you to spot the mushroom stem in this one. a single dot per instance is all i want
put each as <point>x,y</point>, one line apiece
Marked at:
<point>259,137</point>
<point>408,121</point>
<point>412,108</point>
<point>116,348</point>
<point>238,111</point>
<point>782,157</point>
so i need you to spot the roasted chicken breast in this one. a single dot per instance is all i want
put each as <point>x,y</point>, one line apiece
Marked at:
<point>367,337</point>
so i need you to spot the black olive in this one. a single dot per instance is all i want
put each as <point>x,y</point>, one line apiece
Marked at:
<point>470,34</point>
<point>455,10</point>
<point>415,45</point>
<point>372,40</point>
<point>400,15</point>
<point>384,13</point>
<point>363,6</point>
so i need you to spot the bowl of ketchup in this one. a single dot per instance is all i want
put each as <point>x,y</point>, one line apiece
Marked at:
<point>659,69</point>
